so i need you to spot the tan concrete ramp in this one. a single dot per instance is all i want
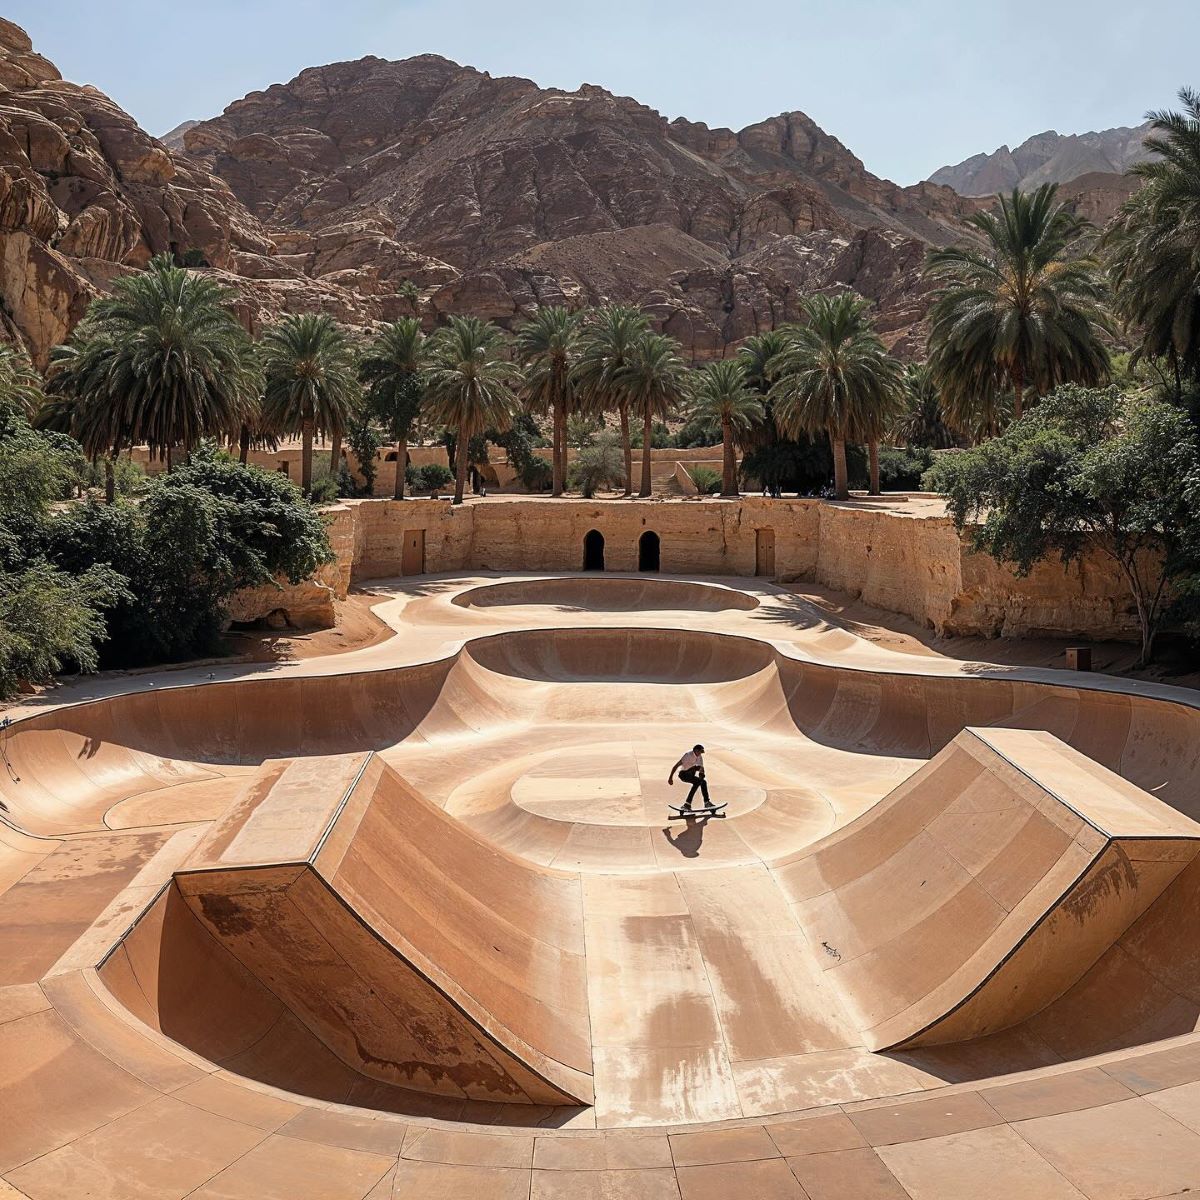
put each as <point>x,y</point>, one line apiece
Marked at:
<point>358,914</point>
<point>983,887</point>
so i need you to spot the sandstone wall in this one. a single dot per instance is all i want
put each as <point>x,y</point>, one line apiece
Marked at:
<point>915,565</point>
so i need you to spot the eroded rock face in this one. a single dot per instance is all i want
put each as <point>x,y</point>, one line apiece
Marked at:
<point>85,193</point>
<point>498,195</point>
<point>492,196</point>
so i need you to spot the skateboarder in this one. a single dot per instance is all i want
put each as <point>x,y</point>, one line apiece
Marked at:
<point>691,770</point>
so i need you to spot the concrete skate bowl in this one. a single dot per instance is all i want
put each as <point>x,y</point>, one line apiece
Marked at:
<point>402,931</point>
<point>607,595</point>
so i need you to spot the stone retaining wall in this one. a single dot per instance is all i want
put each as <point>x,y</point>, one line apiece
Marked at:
<point>911,564</point>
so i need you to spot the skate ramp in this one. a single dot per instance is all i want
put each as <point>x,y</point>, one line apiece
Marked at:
<point>984,887</point>
<point>346,914</point>
<point>593,594</point>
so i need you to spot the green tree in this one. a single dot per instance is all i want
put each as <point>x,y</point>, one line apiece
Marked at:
<point>162,362</point>
<point>470,385</point>
<point>1154,245</point>
<point>835,377</point>
<point>201,533</point>
<point>548,344</point>
<point>1087,469</point>
<point>922,422</point>
<point>411,295</point>
<point>651,382</point>
<point>311,381</point>
<point>49,618</point>
<point>1023,310</point>
<point>609,336</point>
<point>598,465</point>
<point>722,394</point>
<point>392,371</point>
<point>20,384</point>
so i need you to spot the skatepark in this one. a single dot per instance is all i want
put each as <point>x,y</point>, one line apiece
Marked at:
<point>415,920</point>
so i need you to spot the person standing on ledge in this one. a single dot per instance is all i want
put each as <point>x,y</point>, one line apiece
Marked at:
<point>691,770</point>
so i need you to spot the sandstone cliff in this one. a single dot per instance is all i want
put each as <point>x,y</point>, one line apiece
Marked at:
<point>490,195</point>
<point>535,195</point>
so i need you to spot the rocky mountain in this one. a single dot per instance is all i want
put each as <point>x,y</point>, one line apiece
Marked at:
<point>491,195</point>
<point>1046,158</point>
<point>173,139</point>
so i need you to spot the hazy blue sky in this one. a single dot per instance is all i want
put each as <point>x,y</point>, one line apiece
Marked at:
<point>908,85</point>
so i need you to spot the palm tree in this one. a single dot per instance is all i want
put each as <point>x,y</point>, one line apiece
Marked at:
<point>311,382</point>
<point>652,383</point>
<point>1154,244</point>
<point>470,385</point>
<point>166,358</point>
<point>608,339</point>
<point>834,378</point>
<point>1021,311</point>
<point>549,344</point>
<point>20,384</point>
<point>409,292</point>
<point>392,370</point>
<point>721,392</point>
<point>922,423</point>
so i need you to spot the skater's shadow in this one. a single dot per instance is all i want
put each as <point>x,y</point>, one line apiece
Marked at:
<point>689,839</point>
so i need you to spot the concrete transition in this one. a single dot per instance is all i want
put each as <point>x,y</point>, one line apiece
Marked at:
<point>413,922</point>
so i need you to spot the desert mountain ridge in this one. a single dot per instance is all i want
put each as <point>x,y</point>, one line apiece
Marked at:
<point>491,195</point>
<point>1048,157</point>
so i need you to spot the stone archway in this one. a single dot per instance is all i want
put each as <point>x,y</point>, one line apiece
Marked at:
<point>649,551</point>
<point>593,550</point>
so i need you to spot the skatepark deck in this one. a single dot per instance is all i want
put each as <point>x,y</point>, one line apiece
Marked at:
<point>418,924</point>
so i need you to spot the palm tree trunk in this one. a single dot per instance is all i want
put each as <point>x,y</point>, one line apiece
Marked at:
<point>244,445</point>
<point>110,481</point>
<point>647,434</point>
<point>627,447</point>
<point>335,454</point>
<point>170,462</point>
<point>559,450</point>
<point>401,468</point>
<point>460,466</point>
<point>1018,378</point>
<point>306,452</point>
<point>873,452</point>
<point>841,490</point>
<point>729,485</point>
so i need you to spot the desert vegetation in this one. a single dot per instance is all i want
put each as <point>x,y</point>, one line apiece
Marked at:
<point>1056,408</point>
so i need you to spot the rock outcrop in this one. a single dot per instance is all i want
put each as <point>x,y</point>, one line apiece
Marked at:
<point>489,195</point>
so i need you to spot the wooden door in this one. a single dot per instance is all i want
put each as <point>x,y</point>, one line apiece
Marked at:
<point>412,555</point>
<point>764,552</point>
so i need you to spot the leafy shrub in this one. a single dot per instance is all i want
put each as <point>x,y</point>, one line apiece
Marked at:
<point>201,533</point>
<point>707,481</point>
<point>660,437</point>
<point>365,442</point>
<point>538,475</point>
<point>433,476</point>
<point>599,465</point>
<point>697,431</point>
<point>325,489</point>
<point>902,470</point>
<point>130,477</point>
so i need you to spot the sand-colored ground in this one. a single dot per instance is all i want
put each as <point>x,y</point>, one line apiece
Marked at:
<point>413,920</point>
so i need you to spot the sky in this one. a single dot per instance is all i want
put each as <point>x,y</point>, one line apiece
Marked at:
<point>908,86</point>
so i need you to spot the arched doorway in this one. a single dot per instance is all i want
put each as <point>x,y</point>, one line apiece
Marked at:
<point>648,551</point>
<point>593,550</point>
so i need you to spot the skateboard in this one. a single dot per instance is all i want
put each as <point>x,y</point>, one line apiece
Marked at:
<point>717,810</point>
